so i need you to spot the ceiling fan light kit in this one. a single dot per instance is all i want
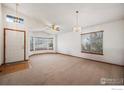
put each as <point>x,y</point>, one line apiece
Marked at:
<point>55,28</point>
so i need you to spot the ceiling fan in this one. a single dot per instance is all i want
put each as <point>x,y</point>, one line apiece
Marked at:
<point>54,27</point>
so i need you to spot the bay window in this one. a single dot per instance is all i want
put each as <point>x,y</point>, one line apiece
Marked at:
<point>41,43</point>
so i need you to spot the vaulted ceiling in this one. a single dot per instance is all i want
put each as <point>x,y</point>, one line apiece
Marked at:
<point>63,14</point>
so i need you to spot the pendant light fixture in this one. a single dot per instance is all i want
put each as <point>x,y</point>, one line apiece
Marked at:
<point>17,18</point>
<point>77,27</point>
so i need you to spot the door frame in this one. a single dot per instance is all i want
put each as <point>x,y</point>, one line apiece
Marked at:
<point>9,29</point>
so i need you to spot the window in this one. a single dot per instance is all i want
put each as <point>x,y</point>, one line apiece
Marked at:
<point>40,43</point>
<point>13,19</point>
<point>92,42</point>
<point>31,44</point>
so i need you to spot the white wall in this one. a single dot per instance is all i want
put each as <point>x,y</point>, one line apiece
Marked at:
<point>46,35</point>
<point>113,43</point>
<point>29,23</point>
<point>1,37</point>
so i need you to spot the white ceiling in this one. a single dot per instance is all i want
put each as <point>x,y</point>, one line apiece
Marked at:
<point>64,14</point>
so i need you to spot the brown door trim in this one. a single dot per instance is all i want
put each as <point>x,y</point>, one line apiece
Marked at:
<point>5,29</point>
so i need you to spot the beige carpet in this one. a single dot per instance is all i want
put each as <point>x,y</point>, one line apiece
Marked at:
<point>63,70</point>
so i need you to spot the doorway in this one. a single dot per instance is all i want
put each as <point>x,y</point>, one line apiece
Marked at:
<point>14,45</point>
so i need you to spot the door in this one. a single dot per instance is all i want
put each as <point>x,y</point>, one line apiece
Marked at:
<point>15,45</point>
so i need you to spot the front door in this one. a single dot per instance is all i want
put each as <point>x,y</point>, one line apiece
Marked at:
<point>15,46</point>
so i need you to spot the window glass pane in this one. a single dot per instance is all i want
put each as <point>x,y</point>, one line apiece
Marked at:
<point>42,43</point>
<point>31,44</point>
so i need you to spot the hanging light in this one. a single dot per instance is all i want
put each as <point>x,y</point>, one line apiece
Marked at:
<point>77,27</point>
<point>17,18</point>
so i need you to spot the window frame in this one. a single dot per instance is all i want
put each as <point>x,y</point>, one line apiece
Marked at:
<point>37,43</point>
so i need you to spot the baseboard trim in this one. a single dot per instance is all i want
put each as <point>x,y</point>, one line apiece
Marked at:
<point>15,62</point>
<point>44,53</point>
<point>91,59</point>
